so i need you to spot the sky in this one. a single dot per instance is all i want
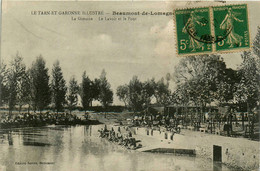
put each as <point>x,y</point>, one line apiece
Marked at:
<point>144,47</point>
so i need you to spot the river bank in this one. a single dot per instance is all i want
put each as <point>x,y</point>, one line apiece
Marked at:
<point>19,120</point>
<point>236,152</point>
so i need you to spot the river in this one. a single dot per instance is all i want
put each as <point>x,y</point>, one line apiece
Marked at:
<point>79,148</point>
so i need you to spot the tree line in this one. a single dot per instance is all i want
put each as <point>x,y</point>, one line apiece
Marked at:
<point>201,80</point>
<point>38,90</point>
<point>137,95</point>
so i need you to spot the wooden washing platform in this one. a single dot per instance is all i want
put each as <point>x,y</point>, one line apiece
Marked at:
<point>190,152</point>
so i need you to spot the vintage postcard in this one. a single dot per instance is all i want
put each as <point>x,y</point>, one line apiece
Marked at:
<point>129,85</point>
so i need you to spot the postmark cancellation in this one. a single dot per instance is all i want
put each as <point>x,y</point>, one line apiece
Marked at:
<point>214,29</point>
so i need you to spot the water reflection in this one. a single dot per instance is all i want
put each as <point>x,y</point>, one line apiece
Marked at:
<point>62,148</point>
<point>217,166</point>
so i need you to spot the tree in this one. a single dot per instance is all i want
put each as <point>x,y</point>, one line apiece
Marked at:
<point>24,91</point>
<point>248,88</point>
<point>256,43</point>
<point>59,88</point>
<point>226,86</point>
<point>137,94</point>
<point>162,92</point>
<point>72,96</point>
<point>85,91</point>
<point>149,88</point>
<point>122,92</point>
<point>136,97</point>
<point>168,78</point>
<point>202,80</point>
<point>106,94</point>
<point>201,73</point>
<point>15,76</point>
<point>3,84</point>
<point>95,89</point>
<point>41,91</point>
<point>256,49</point>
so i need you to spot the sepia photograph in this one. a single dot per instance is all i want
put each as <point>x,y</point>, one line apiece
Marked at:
<point>129,85</point>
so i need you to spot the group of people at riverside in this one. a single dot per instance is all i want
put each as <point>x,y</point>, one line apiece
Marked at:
<point>38,119</point>
<point>223,123</point>
<point>124,139</point>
